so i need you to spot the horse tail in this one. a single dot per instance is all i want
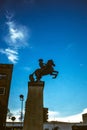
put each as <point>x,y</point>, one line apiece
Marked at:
<point>31,78</point>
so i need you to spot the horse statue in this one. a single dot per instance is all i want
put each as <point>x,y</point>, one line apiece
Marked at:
<point>44,69</point>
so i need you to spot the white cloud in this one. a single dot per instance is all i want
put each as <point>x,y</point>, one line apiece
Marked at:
<point>12,55</point>
<point>16,114</point>
<point>17,35</point>
<point>84,111</point>
<point>73,118</point>
<point>55,116</point>
<point>17,38</point>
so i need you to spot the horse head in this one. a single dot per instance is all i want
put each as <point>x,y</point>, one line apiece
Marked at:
<point>50,63</point>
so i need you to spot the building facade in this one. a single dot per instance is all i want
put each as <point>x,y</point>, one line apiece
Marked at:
<point>84,117</point>
<point>5,81</point>
<point>54,125</point>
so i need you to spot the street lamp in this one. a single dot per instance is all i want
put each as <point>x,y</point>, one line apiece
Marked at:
<point>21,99</point>
<point>13,119</point>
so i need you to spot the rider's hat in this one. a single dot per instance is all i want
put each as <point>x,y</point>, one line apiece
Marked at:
<point>40,59</point>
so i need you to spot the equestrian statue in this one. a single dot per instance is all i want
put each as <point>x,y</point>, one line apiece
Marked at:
<point>45,69</point>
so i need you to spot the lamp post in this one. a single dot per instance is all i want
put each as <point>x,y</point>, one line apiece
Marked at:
<point>21,99</point>
<point>13,119</point>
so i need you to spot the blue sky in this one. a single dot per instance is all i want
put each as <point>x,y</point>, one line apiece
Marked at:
<point>47,29</point>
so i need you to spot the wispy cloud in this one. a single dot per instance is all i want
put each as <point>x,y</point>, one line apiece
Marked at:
<point>55,116</point>
<point>12,55</point>
<point>17,38</point>
<point>17,35</point>
<point>69,46</point>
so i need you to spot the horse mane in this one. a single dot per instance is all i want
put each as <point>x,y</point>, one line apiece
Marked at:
<point>50,62</point>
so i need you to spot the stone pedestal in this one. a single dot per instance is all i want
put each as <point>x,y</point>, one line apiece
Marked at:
<point>34,107</point>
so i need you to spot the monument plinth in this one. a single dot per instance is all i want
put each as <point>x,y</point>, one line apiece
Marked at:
<point>34,107</point>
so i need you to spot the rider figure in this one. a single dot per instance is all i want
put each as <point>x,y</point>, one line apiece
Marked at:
<point>41,64</point>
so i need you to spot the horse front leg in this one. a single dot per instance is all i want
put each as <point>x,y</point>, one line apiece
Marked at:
<point>38,75</point>
<point>54,73</point>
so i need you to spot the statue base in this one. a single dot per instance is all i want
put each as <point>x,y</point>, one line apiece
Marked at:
<point>34,107</point>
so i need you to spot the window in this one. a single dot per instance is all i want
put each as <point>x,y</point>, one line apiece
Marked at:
<point>2,90</point>
<point>3,76</point>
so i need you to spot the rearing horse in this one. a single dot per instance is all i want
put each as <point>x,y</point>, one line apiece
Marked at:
<point>45,70</point>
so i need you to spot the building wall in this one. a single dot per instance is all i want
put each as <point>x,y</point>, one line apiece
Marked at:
<point>46,126</point>
<point>5,80</point>
<point>60,126</point>
<point>84,116</point>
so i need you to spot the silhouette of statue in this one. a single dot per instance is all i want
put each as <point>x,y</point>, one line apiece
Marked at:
<point>44,69</point>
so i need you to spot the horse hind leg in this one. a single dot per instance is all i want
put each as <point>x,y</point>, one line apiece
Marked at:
<point>38,78</point>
